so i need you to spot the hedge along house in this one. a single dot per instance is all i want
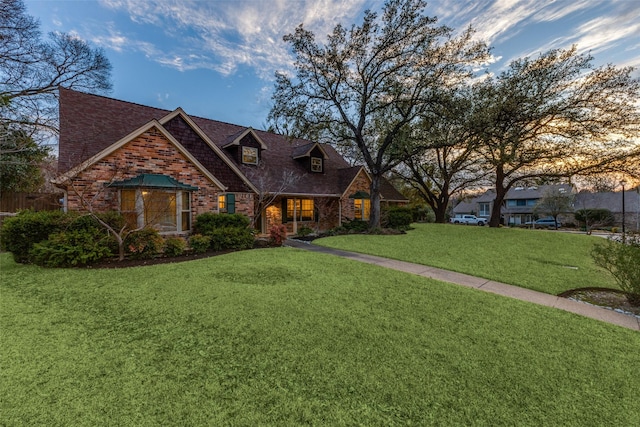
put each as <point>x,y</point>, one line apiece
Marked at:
<point>162,168</point>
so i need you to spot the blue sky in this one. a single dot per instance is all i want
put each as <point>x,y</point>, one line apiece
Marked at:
<point>217,59</point>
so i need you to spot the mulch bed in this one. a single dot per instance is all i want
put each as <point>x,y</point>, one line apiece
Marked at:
<point>604,297</point>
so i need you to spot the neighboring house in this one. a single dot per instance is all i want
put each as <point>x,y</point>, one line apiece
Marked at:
<point>613,202</point>
<point>518,206</point>
<point>163,168</point>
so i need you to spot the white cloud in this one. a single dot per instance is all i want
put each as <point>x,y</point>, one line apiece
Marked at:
<point>225,35</point>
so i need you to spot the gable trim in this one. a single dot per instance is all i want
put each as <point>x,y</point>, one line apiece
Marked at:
<point>128,138</point>
<point>180,112</point>
<point>362,169</point>
<point>249,130</point>
<point>308,152</point>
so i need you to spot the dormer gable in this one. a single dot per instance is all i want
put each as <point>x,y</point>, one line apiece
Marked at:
<point>245,147</point>
<point>312,155</point>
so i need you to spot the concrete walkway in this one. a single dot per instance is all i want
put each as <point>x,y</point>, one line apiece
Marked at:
<point>583,309</point>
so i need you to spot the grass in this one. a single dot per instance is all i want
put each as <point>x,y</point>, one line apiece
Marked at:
<point>545,261</point>
<point>287,337</point>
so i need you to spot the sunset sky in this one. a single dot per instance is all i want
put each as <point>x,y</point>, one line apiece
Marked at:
<point>217,59</point>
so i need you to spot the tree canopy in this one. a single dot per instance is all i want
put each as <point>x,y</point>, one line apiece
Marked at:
<point>554,116</point>
<point>366,86</point>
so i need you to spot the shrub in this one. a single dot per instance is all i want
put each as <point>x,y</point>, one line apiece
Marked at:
<point>231,238</point>
<point>278,234</point>
<point>207,222</point>
<point>601,217</point>
<point>21,232</point>
<point>622,259</point>
<point>142,244</point>
<point>355,226</point>
<point>199,243</point>
<point>398,218</point>
<point>304,231</point>
<point>174,246</point>
<point>71,248</point>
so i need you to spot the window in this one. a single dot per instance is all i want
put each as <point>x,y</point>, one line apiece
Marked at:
<point>316,164</point>
<point>250,155</point>
<point>484,209</point>
<point>519,202</point>
<point>227,203</point>
<point>166,211</point>
<point>300,209</point>
<point>362,209</point>
<point>186,211</point>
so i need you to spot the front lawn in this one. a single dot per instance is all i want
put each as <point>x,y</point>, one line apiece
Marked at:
<point>288,337</point>
<point>545,261</point>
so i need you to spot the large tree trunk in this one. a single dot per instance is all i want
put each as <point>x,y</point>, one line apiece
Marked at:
<point>374,218</point>
<point>496,212</point>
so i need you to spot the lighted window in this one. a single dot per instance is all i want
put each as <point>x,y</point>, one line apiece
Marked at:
<point>166,211</point>
<point>186,212</point>
<point>227,203</point>
<point>316,164</point>
<point>300,209</point>
<point>362,209</point>
<point>250,155</point>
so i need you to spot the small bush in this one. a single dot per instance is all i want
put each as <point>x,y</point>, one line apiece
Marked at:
<point>143,244</point>
<point>601,217</point>
<point>355,226</point>
<point>174,246</point>
<point>277,234</point>
<point>71,248</point>
<point>231,238</point>
<point>622,259</point>
<point>207,222</point>
<point>304,231</point>
<point>199,243</point>
<point>398,218</point>
<point>21,232</point>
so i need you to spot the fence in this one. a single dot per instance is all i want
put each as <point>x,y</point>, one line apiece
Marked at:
<point>13,202</point>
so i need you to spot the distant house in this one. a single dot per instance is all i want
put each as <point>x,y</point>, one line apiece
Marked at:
<point>613,202</point>
<point>162,168</point>
<point>518,206</point>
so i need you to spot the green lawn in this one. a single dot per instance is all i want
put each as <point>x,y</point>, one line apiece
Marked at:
<point>288,337</point>
<point>545,261</point>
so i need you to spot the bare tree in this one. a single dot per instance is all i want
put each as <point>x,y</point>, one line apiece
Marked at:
<point>368,85</point>
<point>268,188</point>
<point>32,69</point>
<point>555,201</point>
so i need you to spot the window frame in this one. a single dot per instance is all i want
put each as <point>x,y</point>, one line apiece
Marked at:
<point>362,212</point>
<point>303,214</point>
<point>249,155</point>
<point>316,164</point>
<point>143,202</point>
<point>227,203</point>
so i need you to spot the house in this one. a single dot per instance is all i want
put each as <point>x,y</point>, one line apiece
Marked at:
<point>518,205</point>
<point>612,201</point>
<point>163,168</point>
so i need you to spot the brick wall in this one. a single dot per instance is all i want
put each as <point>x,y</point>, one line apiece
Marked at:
<point>360,183</point>
<point>151,152</point>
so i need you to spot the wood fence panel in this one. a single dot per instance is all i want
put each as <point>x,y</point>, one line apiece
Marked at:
<point>13,202</point>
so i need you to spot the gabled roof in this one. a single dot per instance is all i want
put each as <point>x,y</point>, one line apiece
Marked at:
<point>235,139</point>
<point>305,150</point>
<point>536,192</point>
<point>129,137</point>
<point>90,125</point>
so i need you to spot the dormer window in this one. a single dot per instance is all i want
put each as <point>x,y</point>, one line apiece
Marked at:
<point>250,155</point>
<point>316,164</point>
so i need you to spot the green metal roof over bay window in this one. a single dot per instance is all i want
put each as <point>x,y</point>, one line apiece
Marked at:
<point>152,180</point>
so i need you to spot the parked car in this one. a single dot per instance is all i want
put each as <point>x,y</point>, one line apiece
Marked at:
<point>467,219</point>
<point>544,223</point>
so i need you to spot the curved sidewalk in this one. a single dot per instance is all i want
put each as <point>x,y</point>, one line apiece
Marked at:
<point>583,309</point>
